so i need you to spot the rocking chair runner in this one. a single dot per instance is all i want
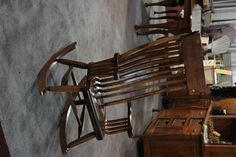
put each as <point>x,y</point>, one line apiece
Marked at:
<point>153,68</point>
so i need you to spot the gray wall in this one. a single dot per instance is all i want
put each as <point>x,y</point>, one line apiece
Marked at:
<point>30,32</point>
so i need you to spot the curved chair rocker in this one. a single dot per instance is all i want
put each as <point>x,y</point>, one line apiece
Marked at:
<point>153,68</point>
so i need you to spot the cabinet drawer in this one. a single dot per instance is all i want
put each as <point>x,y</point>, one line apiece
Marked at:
<point>174,148</point>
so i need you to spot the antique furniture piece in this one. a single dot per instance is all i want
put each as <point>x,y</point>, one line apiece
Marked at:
<point>177,131</point>
<point>181,25</point>
<point>157,67</point>
<point>174,15</point>
<point>174,12</point>
<point>223,122</point>
<point>170,3</point>
<point>196,127</point>
<point>166,12</point>
<point>192,127</point>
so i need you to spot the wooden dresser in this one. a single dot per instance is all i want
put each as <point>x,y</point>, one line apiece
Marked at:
<point>186,131</point>
<point>175,133</point>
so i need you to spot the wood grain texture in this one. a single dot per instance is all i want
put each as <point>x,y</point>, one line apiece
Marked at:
<point>193,56</point>
<point>175,132</point>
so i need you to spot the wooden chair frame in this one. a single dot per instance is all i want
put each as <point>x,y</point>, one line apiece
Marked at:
<point>150,69</point>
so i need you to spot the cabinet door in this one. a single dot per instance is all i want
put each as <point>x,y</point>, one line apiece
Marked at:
<point>174,148</point>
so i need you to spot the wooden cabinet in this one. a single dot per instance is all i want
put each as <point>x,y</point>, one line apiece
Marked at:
<point>225,125</point>
<point>221,150</point>
<point>188,131</point>
<point>175,132</point>
<point>172,146</point>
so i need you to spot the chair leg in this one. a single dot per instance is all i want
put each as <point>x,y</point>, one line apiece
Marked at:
<point>167,3</point>
<point>93,114</point>
<point>43,74</point>
<point>69,108</point>
<point>116,126</point>
<point>129,105</point>
<point>167,11</point>
<point>119,125</point>
<point>164,17</point>
<point>167,25</point>
<point>157,31</point>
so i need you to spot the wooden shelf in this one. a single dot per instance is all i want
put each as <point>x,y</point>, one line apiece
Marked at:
<point>223,116</point>
<point>233,146</point>
<point>218,150</point>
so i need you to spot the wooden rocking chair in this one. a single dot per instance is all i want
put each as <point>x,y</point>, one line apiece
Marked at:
<point>153,68</point>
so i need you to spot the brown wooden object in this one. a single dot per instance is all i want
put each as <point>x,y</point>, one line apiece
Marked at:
<point>193,57</point>
<point>180,25</point>
<point>225,126</point>
<point>153,68</point>
<point>175,132</point>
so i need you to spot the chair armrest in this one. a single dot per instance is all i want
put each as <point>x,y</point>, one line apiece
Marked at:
<point>43,74</point>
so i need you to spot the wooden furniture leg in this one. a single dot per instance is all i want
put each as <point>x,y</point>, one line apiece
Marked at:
<point>167,25</point>
<point>167,3</point>
<point>167,11</point>
<point>164,17</point>
<point>156,31</point>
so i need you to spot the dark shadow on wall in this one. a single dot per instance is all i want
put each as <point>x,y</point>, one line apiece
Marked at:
<point>4,152</point>
<point>140,148</point>
<point>145,13</point>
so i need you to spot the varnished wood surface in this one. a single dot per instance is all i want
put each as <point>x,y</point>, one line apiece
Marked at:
<point>42,76</point>
<point>225,125</point>
<point>175,27</point>
<point>153,68</point>
<point>194,66</point>
<point>167,139</point>
<point>219,150</point>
